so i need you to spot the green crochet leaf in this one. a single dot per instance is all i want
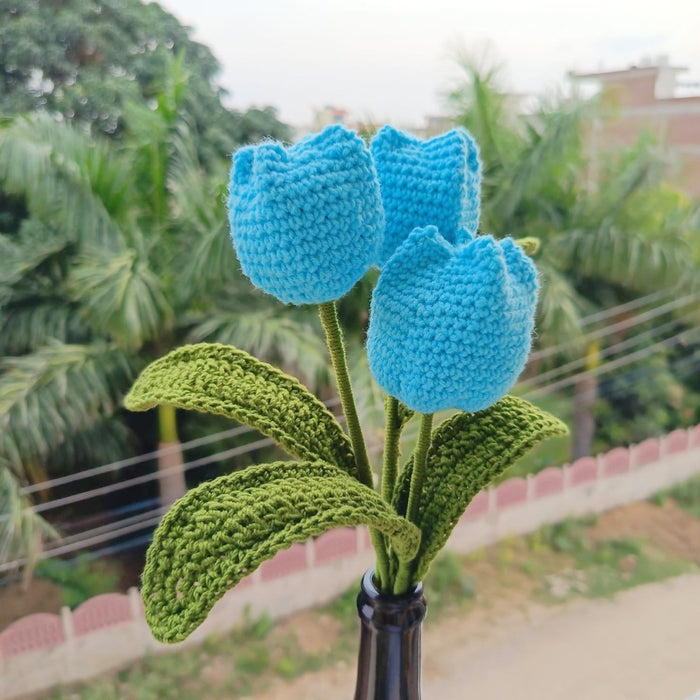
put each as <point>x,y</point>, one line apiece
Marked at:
<point>221,379</point>
<point>224,529</point>
<point>467,452</point>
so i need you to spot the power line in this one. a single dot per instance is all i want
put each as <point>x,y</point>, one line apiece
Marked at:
<point>613,328</point>
<point>130,461</point>
<point>117,529</point>
<point>607,366</point>
<point>627,306</point>
<point>331,403</point>
<point>249,447</point>
<point>606,352</point>
<point>241,430</point>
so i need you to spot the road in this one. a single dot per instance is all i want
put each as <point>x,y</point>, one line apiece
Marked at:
<point>643,645</point>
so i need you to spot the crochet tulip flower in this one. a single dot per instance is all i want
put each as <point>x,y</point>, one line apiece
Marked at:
<point>450,327</point>
<point>451,324</point>
<point>307,222</point>
<point>435,182</point>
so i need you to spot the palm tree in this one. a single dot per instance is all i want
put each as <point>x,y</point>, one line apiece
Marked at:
<point>123,256</point>
<point>609,229</point>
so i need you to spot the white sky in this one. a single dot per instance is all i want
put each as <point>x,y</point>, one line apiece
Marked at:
<point>390,60</point>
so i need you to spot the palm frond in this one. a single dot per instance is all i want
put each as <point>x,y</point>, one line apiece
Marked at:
<point>560,309</point>
<point>68,179</point>
<point>199,217</point>
<point>29,322</point>
<point>120,295</point>
<point>630,258</point>
<point>58,390</point>
<point>22,532</point>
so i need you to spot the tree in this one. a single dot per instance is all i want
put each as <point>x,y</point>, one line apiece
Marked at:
<point>608,233</point>
<point>87,59</point>
<point>124,255</point>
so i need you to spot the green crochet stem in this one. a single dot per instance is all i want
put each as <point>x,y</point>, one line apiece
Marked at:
<point>390,470</point>
<point>467,452</point>
<point>403,578</point>
<point>334,338</point>
<point>391,448</point>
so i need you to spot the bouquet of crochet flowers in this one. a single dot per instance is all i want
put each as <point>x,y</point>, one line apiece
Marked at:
<point>450,328</point>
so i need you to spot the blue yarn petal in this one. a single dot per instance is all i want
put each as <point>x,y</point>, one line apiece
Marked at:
<point>451,325</point>
<point>307,222</point>
<point>435,182</point>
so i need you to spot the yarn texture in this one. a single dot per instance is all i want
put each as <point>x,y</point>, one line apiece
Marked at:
<point>224,529</point>
<point>435,182</point>
<point>450,325</point>
<point>307,222</point>
<point>224,380</point>
<point>467,452</point>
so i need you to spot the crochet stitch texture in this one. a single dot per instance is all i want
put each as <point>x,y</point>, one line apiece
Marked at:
<point>450,325</point>
<point>307,222</point>
<point>435,182</point>
<point>224,529</point>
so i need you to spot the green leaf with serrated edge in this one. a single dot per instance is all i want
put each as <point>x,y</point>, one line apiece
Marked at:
<point>467,452</point>
<point>224,529</point>
<point>221,379</point>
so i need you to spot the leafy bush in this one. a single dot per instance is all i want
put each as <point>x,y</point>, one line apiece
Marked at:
<point>79,580</point>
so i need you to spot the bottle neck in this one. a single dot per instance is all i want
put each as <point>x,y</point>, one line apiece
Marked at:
<point>389,658</point>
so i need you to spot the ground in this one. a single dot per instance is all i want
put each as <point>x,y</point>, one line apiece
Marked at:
<point>603,608</point>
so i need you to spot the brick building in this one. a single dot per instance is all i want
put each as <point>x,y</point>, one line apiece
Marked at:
<point>650,98</point>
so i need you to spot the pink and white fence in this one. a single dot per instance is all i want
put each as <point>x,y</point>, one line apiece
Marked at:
<point>108,631</point>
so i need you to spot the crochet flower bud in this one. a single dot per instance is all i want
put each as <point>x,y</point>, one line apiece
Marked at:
<point>451,324</point>
<point>423,183</point>
<point>307,222</point>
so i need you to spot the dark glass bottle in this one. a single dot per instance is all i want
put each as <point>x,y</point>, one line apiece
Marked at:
<point>389,659</point>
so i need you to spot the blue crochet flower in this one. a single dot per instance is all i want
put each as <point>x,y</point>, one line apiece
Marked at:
<point>450,324</point>
<point>423,183</point>
<point>306,222</point>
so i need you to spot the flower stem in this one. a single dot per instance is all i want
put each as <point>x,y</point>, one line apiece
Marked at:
<point>419,461</point>
<point>420,454</point>
<point>391,449</point>
<point>334,339</point>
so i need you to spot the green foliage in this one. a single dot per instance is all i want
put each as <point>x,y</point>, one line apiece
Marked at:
<point>686,495</point>
<point>114,249</point>
<point>223,380</point>
<point>224,529</point>
<point>79,580</point>
<point>610,226</point>
<point>448,583</point>
<point>33,403</point>
<point>88,59</point>
<point>22,532</point>
<point>467,452</point>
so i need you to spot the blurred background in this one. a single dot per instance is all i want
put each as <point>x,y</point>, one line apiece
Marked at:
<point>117,122</point>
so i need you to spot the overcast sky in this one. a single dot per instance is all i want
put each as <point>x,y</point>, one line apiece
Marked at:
<point>391,60</point>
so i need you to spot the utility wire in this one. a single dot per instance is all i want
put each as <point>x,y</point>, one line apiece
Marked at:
<point>605,352</point>
<point>130,461</point>
<point>613,364</point>
<point>627,306</point>
<point>244,429</point>
<point>613,328</point>
<point>134,523</point>
<point>534,382</point>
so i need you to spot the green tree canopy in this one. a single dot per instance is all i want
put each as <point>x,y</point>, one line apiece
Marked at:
<point>86,59</point>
